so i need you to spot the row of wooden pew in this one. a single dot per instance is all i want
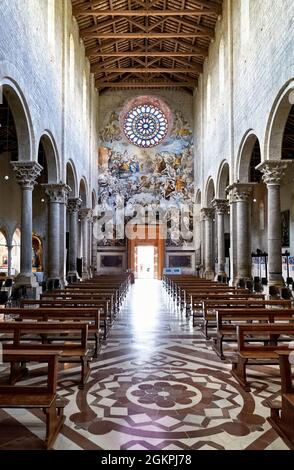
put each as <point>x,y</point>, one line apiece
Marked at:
<point>260,329</point>
<point>64,326</point>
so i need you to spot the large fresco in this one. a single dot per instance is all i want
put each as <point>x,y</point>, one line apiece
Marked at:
<point>160,178</point>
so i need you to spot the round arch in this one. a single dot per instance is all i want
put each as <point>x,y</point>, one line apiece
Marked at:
<point>23,123</point>
<point>244,156</point>
<point>52,157</point>
<point>198,198</point>
<point>71,179</point>
<point>83,192</point>
<point>277,122</point>
<point>223,180</point>
<point>209,192</point>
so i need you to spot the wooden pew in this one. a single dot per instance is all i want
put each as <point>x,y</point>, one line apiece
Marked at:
<point>90,315</point>
<point>228,320</point>
<point>282,413</point>
<point>265,352</point>
<point>210,307</point>
<point>40,397</point>
<point>80,304</point>
<point>42,335</point>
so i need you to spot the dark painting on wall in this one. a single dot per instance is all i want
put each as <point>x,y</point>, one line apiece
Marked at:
<point>111,261</point>
<point>285,229</point>
<point>182,261</point>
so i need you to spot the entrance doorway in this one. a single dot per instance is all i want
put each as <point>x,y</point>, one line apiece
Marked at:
<point>145,262</point>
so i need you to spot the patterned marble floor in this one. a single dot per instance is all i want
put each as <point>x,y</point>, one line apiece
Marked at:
<point>157,385</point>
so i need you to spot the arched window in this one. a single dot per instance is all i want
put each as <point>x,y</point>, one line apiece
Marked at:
<point>146,125</point>
<point>71,64</point>
<point>245,21</point>
<point>51,23</point>
<point>3,253</point>
<point>15,254</point>
<point>221,66</point>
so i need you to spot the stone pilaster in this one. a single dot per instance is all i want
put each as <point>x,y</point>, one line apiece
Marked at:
<point>26,174</point>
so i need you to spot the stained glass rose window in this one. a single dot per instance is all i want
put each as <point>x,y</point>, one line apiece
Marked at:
<point>145,126</point>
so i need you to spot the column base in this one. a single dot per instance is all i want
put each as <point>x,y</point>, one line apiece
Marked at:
<point>27,280</point>
<point>209,275</point>
<point>73,274</point>
<point>85,274</point>
<point>221,273</point>
<point>276,280</point>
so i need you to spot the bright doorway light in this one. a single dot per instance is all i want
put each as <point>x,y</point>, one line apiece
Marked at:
<point>145,262</point>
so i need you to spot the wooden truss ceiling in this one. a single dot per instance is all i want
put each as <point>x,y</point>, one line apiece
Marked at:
<point>147,43</point>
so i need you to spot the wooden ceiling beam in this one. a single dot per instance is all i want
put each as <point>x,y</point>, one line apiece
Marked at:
<point>212,10</point>
<point>145,84</point>
<point>195,69</point>
<point>148,54</point>
<point>138,35</point>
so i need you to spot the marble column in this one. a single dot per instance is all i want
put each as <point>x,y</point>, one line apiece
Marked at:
<point>26,174</point>
<point>9,260</point>
<point>221,209</point>
<point>241,194</point>
<point>207,216</point>
<point>56,197</point>
<point>94,247</point>
<point>273,173</point>
<point>62,263</point>
<point>73,206</point>
<point>84,215</point>
<point>90,235</point>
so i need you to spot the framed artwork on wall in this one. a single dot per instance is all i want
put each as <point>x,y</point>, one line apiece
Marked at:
<point>285,229</point>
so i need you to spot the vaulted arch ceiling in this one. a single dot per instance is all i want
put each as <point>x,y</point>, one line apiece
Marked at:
<point>147,43</point>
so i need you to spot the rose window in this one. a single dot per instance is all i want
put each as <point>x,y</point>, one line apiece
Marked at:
<point>145,126</point>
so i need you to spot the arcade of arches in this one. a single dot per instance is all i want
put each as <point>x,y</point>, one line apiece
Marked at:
<point>168,127</point>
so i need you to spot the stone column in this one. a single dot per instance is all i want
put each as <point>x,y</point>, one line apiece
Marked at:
<point>26,175</point>
<point>56,197</point>
<point>9,260</point>
<point>241,194</point>
<point>208,214</point>
<point>94,247</point>
<point>90,235</point>
<point>273,173</point>
<point>62,262</point>
<point>221,208</point>
<point>73,206</point>
<point>84,216</point>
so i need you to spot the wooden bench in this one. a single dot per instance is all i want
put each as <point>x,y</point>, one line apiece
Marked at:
<point>40,397</point>
<point>210,307</point>
<point>80,304</point>
<point>265,352</point>
<point>282,413</point>
<point>90,315</point>
<point>228,320</point>
<point>42,335</point>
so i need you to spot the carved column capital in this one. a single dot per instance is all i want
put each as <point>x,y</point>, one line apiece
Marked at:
<point>207,213</point>
<point>57,192</point>
<point>85,213</point>
<point>221,206</point>
<point>273,171</point>
<point>74,204</point>
<point>27,173</point>
<point>240,192</point>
